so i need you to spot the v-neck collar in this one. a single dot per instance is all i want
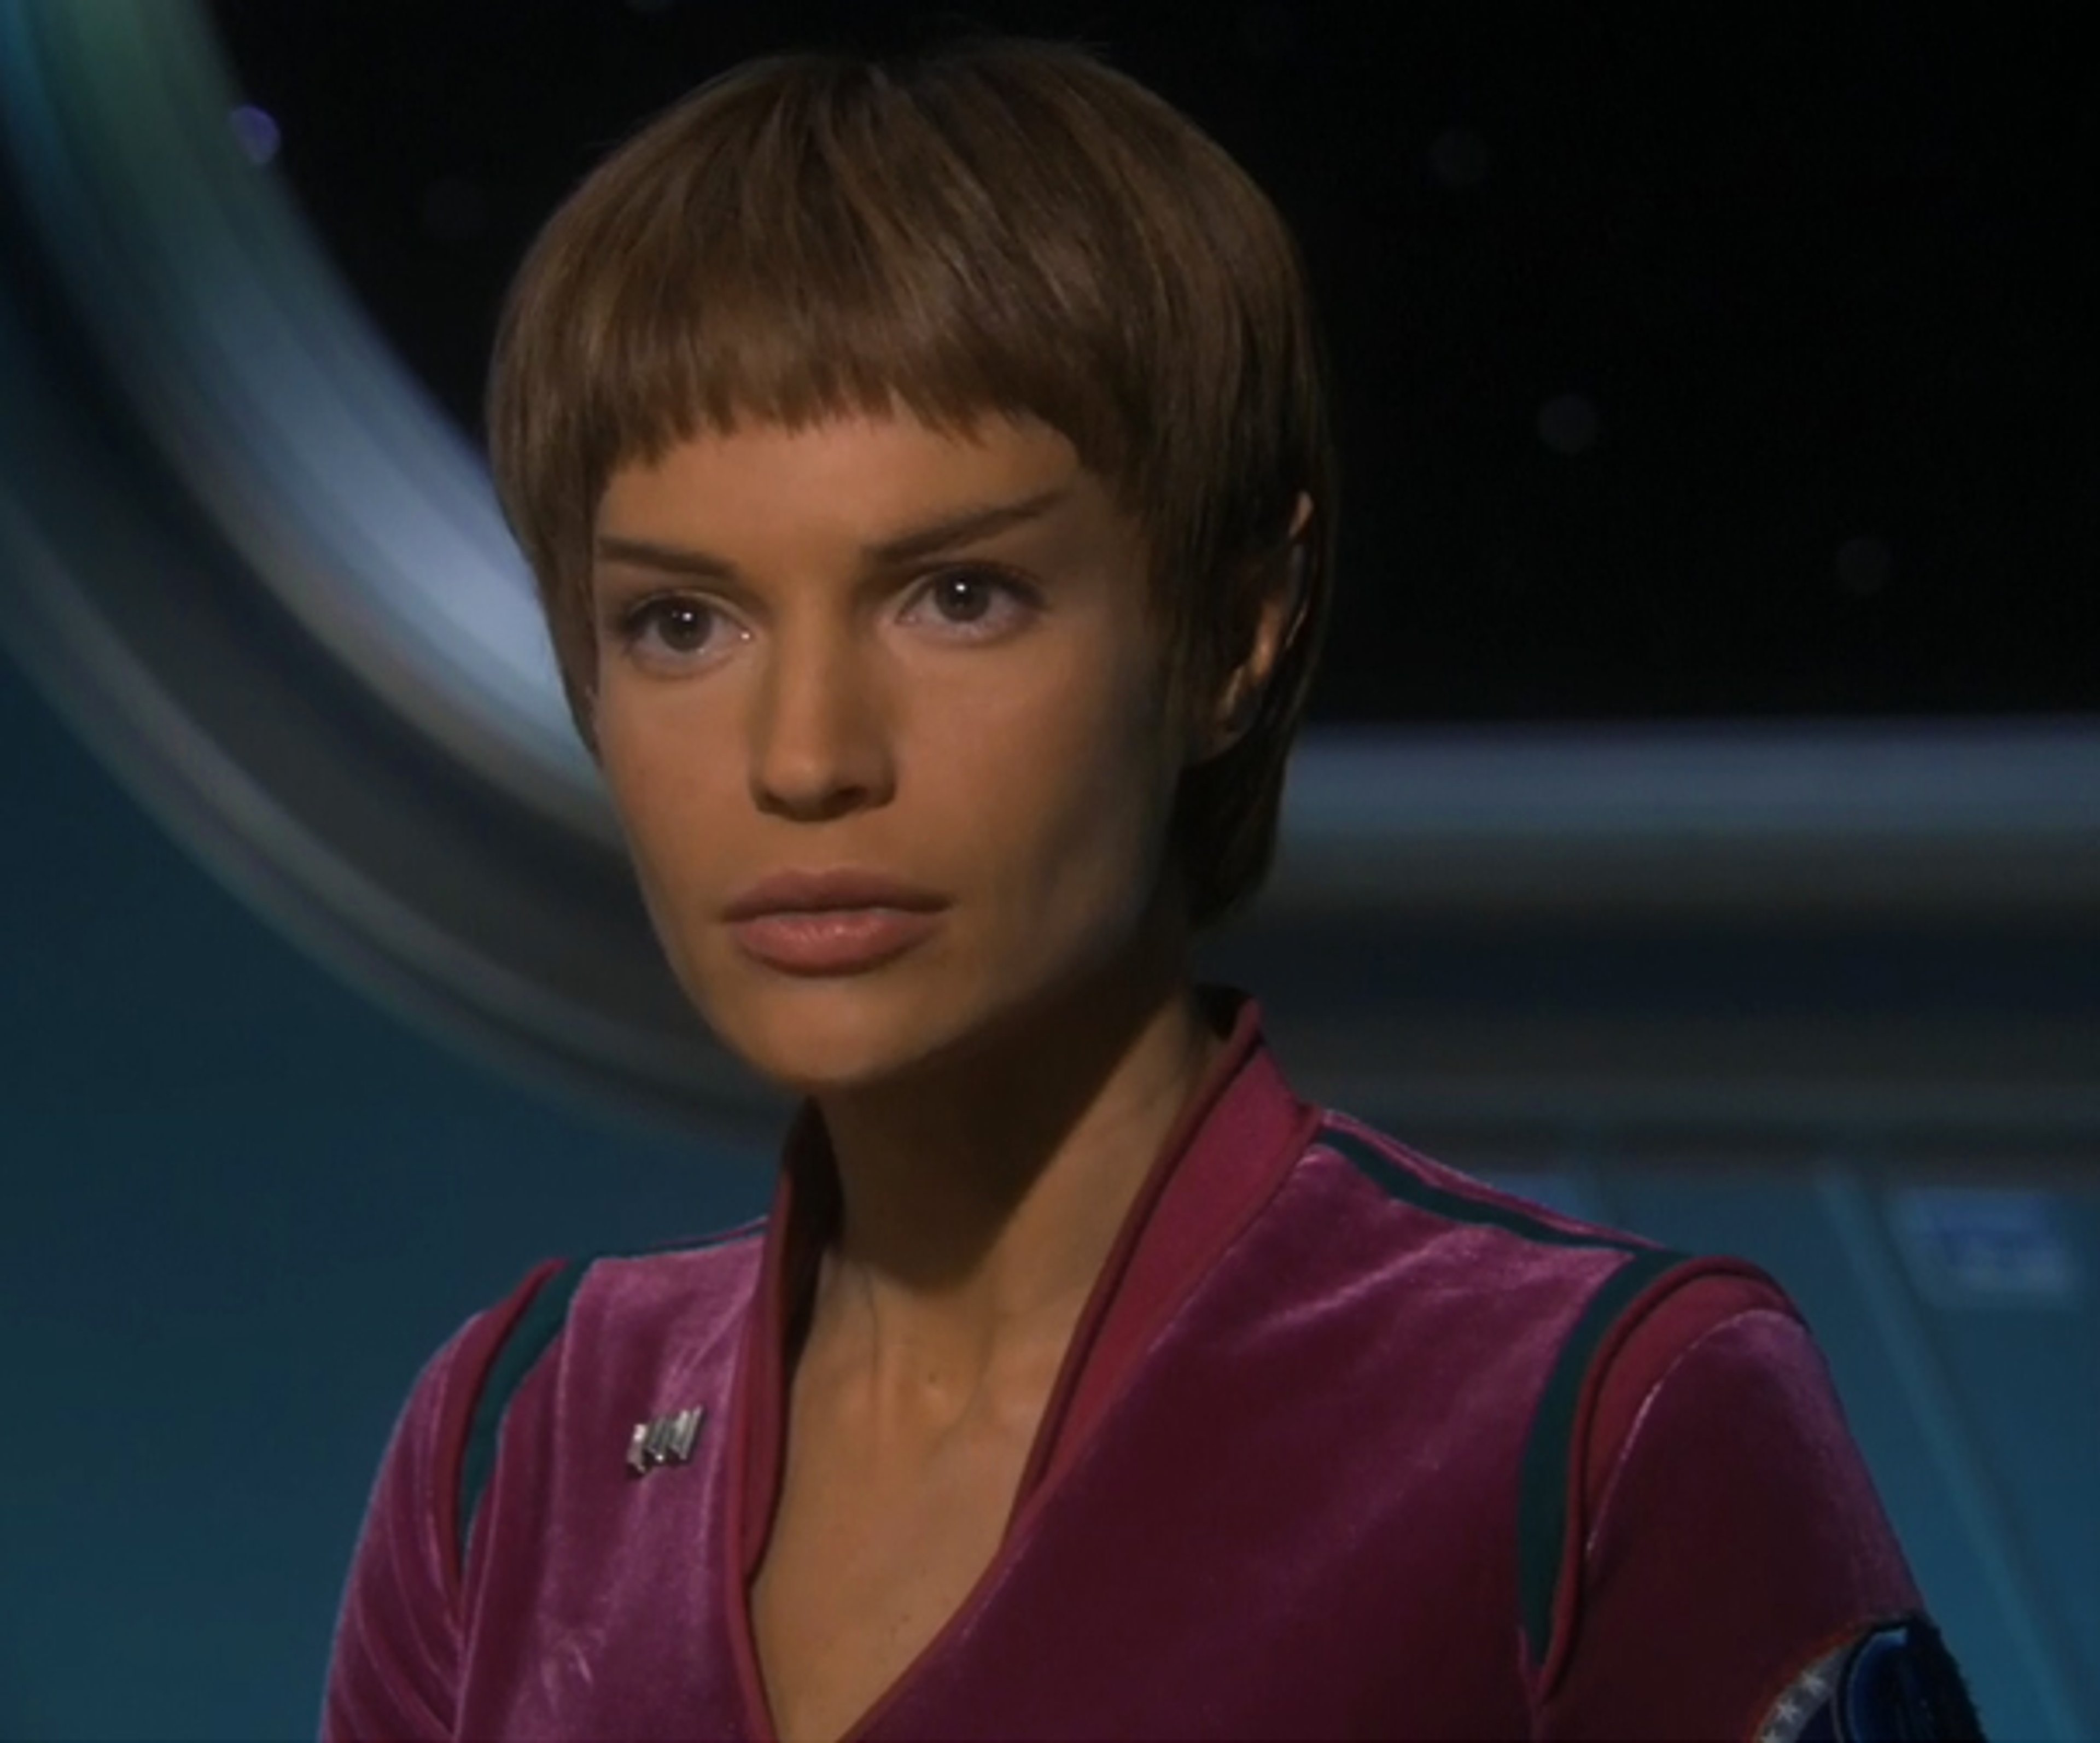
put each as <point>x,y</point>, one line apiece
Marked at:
<point>1227,1151</point>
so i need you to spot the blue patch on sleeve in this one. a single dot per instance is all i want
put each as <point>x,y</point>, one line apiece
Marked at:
<point>1893,1684</point>
<point>1901,1682</point>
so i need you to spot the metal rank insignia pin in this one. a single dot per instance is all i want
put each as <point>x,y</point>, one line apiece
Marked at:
<point>667,1440</point>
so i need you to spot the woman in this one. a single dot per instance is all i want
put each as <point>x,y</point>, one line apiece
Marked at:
<point>926,472</point>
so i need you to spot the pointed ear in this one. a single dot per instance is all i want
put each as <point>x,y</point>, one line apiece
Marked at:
<point>1278,612</point>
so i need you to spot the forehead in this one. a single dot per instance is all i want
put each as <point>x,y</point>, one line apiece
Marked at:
<point>872,482</point>
<point>869,457</point>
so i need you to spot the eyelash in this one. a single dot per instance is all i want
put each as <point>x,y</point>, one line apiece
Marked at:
<point>1018,595</point>
<point>633,624</point>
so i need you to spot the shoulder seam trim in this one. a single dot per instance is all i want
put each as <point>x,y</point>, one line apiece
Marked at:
<point>1542,1485</point>
<point>1397,1182</point>
<point>527,1341</point>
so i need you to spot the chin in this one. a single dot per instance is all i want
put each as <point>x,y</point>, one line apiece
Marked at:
<point>828,1036</point>
<point>926,1012</point>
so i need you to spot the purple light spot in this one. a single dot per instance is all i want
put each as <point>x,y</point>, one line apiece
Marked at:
<point>254,132</point>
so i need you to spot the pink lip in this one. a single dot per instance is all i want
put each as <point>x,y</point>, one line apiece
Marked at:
<point>837,922</point>
<point>802,892</point>
<point>832,941</point>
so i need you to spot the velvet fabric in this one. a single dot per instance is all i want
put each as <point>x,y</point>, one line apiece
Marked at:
<point>1275,1493</point>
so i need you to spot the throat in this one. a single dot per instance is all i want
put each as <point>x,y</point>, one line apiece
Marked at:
<point>973,1212</point>
<point>954,1245</point>
<point>894,1506</point>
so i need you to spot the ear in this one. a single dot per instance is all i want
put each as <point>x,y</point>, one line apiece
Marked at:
<point>1278,611</point>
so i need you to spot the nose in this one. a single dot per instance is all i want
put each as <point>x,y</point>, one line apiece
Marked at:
<point>819,744</point>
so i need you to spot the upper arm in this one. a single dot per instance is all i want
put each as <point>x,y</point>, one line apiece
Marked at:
<point>394,1671</point>
<point>1730,1537</point>
<point>399,1640</point>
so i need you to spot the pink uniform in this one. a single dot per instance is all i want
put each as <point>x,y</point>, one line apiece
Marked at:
<point>1347,1443</point>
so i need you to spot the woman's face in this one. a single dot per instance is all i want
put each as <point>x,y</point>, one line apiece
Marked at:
<point>869,647</point>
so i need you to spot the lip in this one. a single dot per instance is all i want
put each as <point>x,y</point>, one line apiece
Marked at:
<point>846,887</point>
<point>841,922</point>
<point>832,941</point>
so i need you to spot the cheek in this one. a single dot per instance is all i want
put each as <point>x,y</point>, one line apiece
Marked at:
<point>677,809</point>
<point>1039,795</point>
<point>1074,781</point>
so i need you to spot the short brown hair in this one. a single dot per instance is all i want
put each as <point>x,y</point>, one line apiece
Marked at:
<point>1003,227</point>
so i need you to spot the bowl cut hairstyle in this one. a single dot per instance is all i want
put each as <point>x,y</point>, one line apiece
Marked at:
<point>1005,227</point>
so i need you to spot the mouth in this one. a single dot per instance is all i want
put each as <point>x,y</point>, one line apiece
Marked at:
<point>845,920</point>
<point>838,941</point>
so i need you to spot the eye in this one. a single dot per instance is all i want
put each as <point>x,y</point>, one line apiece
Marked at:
<point>974,604</point>
<point>675,627</point>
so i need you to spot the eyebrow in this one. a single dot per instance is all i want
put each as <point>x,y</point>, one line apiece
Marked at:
<point>962,529</point>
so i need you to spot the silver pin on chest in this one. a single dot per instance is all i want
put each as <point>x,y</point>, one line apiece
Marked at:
<point>664,1440</point>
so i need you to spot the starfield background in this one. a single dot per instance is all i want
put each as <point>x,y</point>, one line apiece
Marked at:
<point>1689,362</point>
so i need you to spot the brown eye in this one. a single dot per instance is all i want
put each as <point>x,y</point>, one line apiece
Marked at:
<point>683,625</point>
<point>673,629</point>
<point>972,604</point>
<point>964,597</point>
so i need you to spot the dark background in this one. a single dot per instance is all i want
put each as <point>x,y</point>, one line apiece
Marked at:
<point>1688,363</point>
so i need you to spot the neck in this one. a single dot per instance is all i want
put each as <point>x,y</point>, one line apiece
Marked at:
<point>978,1202</point>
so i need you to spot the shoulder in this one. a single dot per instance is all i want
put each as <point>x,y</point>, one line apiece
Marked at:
<point>679,1294</point>
<point>608,1322</point>
<point>1438,1194</point>
<point>1579,1323</point>
<point>1669,1398</point>
<point>639,1301</point>
<point>1505,1248</point>
<point>400,1630</point>
<point>1717,1425</point>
